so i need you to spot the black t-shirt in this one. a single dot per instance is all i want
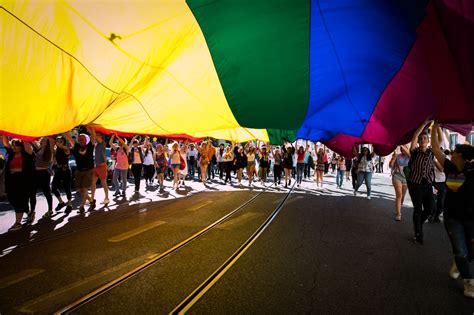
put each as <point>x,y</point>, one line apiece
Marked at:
<point>84,156</point>
<point>62,159</point>
<point>459,202</point>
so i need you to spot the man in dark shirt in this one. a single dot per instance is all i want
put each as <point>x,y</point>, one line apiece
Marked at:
<point>83,152</point>
<point>459,208</point>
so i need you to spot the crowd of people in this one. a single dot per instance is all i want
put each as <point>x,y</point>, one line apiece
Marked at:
<point>439,182</point>
<point>44,165</point>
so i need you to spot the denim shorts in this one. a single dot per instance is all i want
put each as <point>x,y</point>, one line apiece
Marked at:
<point>400,178</point>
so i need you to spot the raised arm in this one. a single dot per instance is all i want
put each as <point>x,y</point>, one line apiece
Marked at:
<point>405,150</point>
<point>64,147</point>
<point>35,144</point>
<point>135,137</point>
<point>122,143</point>
<point>28,147</point>
<point>435,146</point>
<point>6,142</point>
<point>414,140</point>
<point>111,141</point>
<point>93,134</point>
<point>70,139</point>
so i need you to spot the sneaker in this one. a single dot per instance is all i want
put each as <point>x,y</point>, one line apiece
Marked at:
<point>68,209</point>
<point>15,227</point>
<point>82,209</point>
<point>418,240</point>
<point>469,288</point>
<point>398,217</point>
<point>368,197</point>
<point>60,206</point>
<point>289,183</point>
<point>454,272</point>
<point>123,193</point>
<point>106,201</point>
<point>355,193</point>
<point>47,215</point>
<point>92,205</point>
<point>31,217</point>
<point>117,193</point>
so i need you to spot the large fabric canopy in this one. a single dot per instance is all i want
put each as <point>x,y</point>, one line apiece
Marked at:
<point>338,71</point>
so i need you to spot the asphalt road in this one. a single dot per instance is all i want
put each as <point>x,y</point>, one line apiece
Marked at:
<point>326,252</point>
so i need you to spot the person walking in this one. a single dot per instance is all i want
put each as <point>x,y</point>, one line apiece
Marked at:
<point>161,164</point>
<point>341,170</point>
<point>277,166</point>
<point>365,170</point>
<point>41,175</point>
<point>62,174</point>
<point>320,167</point>
<point>459,207</point>
<point>397,164</point>
<point>228,159</point>
<point>148,162</point>
<point>420,180</point>
<point>83,152</point>
<point>100,169</point>
<point>121,165</point>
<point>264,164</point>
<point>136,160</point>
<point>18,177</point>
<point>300,156</point>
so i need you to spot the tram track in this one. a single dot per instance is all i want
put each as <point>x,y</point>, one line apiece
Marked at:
<point>93,295</point>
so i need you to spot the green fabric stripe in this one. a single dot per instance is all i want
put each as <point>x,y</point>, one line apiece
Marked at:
<point>260,50</point>
<point>276,136</point>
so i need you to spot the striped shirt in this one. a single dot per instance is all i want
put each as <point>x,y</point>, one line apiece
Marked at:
<point>422,166</point>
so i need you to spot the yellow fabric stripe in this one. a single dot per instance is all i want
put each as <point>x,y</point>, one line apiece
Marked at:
<point>154,75</point>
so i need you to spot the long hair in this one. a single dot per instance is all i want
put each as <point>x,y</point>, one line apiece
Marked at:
<point>369,154</point>
<point>47,151</point>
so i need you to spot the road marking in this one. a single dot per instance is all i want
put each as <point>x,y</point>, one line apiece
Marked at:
<point>134,232</point>
<point>65,294</point>
<point>200,206</point>
<point>18,277</point>
<point>238,220</point>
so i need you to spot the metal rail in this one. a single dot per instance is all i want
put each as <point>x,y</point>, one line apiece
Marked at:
<point>114,283</point>
<point>196,295</point>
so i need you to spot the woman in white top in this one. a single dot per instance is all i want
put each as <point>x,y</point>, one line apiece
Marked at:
<point>148,162</point>
<point>228,159</point>
<point>439,186</point>
<point>366,168</point>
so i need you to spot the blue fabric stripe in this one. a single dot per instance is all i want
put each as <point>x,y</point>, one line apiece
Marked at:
<point>356,48</point>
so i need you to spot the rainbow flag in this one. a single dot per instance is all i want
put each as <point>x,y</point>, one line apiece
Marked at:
<point>337,71</point>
